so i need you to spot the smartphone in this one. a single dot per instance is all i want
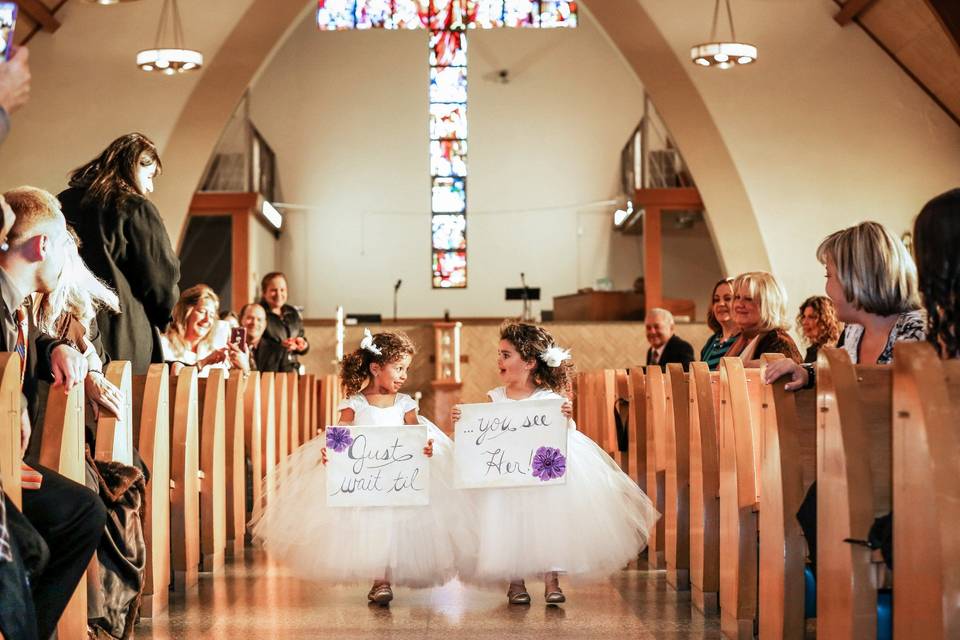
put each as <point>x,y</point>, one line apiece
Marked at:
<point>8,24</point>
<point>238,336</point>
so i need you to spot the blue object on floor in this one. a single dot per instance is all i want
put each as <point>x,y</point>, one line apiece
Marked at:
<point>809,593</point>
<point>885,614</point>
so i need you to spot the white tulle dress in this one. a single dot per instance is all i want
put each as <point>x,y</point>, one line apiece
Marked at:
<point>590,526</point>
<point>410,546</point>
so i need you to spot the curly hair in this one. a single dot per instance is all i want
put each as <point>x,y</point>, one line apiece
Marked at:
<point>828,326</point>
<point>355,368</point>
<point>530,341</point>
<point>936,236</point>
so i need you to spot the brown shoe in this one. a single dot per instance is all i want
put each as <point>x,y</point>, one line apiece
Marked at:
<point>552,593</point>
<point>382,594</point>
<point>517,593</point>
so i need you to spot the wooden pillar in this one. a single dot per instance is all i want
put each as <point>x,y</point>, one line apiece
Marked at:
<point>652,257</point>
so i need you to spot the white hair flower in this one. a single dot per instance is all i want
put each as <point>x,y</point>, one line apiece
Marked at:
<point>554,356</point>
<point>368,343</point>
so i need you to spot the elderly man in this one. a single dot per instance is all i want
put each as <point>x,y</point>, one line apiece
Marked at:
<point>267,355</point>
<point>665,346</point>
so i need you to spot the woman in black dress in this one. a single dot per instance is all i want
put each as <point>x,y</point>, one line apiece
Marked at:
<point>125,244</point>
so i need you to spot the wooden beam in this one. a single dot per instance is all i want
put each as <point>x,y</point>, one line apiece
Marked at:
<point>669,199</point>
<point>40,14</point>
<point>850,10</point>
<point>652,262</point>
<point>948,13</point>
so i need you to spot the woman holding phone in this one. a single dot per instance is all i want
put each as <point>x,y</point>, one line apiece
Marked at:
<point>196,337</point>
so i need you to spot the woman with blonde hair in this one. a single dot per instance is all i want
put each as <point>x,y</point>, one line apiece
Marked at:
<point>196,337</point>
<point>760,311</point>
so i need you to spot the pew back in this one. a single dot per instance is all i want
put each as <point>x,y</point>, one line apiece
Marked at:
<point>656,459</point>
<point>10,426</point>
<point>213,524</point>
<point>235,464</point>
<point>253,421</point>
<point>115,433</point>
<point>637,428</point>
<point>677,477</point>
<point>184,473</point>
<point>704,488</point>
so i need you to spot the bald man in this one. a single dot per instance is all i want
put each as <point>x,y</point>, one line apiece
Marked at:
<point>665,345</point>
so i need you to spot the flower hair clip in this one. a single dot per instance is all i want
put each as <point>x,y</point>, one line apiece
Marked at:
<point>554,356</point>
<point>368,343</point>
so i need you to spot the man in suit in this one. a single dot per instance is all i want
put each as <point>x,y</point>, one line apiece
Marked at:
<point>69,517</point>
<point>665,346</point>
<point>267,354</point>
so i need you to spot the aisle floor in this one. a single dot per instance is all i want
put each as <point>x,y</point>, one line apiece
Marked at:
<point>257,599</point>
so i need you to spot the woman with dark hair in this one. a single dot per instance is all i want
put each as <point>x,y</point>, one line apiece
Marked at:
<point>125,244</point>
<point>936,238</point>
<point>819,325</point>
<point>284,324</point>
<point>720,320</point>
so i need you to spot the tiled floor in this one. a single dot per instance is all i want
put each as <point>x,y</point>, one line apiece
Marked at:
<point>257,599</point>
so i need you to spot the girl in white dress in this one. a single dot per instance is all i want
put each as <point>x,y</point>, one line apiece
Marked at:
<point>593,524</point>
<point>410,546</point>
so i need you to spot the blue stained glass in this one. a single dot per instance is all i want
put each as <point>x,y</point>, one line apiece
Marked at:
<point>521,13</point>
<point>448,158</point>
<point>448,49</point>
<point>449,195</point>
<point>449,232</point>
<point>333,15</point>
<point>448,84</point>
<point>489,15</point>
<point>374,14</point>
<point>449,269</point>
<point>448,120</point>
<point>558,13</point>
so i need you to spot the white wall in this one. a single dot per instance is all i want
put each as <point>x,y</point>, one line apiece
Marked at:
<point>346,113</point>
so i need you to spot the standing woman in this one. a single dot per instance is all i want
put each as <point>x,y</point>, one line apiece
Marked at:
<point>284,324</point>
<point>125,244</point>
<point>720,320</point>
<point>819,325</point>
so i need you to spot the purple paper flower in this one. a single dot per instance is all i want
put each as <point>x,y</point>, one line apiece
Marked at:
<point>549,463</point>
<point>338,439</point>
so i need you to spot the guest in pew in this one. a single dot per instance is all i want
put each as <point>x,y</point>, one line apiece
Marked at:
<point>284,324</point>
<point>818,323</point>
<point>872,282</point>
<point>265,355</point>
<point>936,238</point>
<point>196,337</point>
<point>721,322</point>
<point>665,345</point>
<point>69,517</point>
<point>126,245</point>
<point>760,311</point>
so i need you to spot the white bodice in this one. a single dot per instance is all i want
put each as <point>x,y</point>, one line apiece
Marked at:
<point>500,395</point>
<point>367,415</point>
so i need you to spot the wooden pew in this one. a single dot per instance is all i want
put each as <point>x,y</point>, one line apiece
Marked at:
<point>151,425</point>
<point>329,400</point>
<point>926,494</point>
<point>704,488</point>
<point>62,448</point>
<point>739,404</point>
<point>656,471</point>
<point>854,475</point>
<point>293,411</point>
<point>282,417</point>
<point>185,481</point>
<point>213,503</point>
<point>677,478</point>
<point>306,396</point>
<point>115,434</point>
<point>787,469</point>
<point>10,426</point>
<point>268,428</point>
<point>636,466</point>
<point>253,438</point>
<point>235,466</point>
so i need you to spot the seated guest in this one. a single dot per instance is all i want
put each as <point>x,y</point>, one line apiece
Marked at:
<point>196,337</point>
<point>818,323</point>
<point>936,237</point>
<point>760,311</point>
<point>266,355</point>
<point>872,282</point>
<point>69,517</point>
<point>284,324</point>
<point>665,345</point>
<point>720,320</point>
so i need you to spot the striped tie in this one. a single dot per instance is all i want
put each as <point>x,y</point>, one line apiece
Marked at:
<point>21,347</point>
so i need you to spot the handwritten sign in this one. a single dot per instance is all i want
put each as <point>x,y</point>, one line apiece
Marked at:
<point>377,467</point>
<point>511,444</point>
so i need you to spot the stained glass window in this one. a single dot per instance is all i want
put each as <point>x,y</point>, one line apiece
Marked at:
<point>447,21</point>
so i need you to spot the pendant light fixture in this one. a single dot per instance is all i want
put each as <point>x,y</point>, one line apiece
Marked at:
<point>723,54</point>
<point>171,60</point>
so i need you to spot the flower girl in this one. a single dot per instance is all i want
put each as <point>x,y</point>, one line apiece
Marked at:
<point>594,523</point>
<point>412,546</point>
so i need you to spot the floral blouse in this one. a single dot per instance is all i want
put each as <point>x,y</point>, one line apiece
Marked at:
<point>910,327</point>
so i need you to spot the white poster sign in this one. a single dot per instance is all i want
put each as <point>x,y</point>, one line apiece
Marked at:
<point>377,466</point>
<point>511,444</point>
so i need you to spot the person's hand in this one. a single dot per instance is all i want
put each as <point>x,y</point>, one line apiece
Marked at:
<point>102,394</point>
<point>797,377</point>
<point>68,366</point>
<point>323,456</point>
<point>239,357</point>
<point>15,81</point>
<point>428,450</point>
<point>567,409</point>
<point>8,219</point>
<point>25,431</point>
<point>217,356</point>
<point>455,414</point>
<point>295,344</point>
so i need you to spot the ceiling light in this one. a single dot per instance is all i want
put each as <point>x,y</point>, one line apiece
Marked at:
<point>169,60</point>
<point>723,54</point>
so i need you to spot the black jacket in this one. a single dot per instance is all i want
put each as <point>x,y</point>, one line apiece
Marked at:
<point>128,248</point>
<point>676,350</point>
<point>268,356</point>
<point>279,328</point>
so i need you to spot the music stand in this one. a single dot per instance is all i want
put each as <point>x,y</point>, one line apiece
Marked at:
<point>527,294</point>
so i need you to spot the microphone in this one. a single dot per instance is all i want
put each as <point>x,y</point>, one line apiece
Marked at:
<point>396,287</point>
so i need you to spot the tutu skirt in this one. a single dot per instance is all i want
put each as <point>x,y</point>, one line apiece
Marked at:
<point>410,546</point>
<point>590,526</point>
